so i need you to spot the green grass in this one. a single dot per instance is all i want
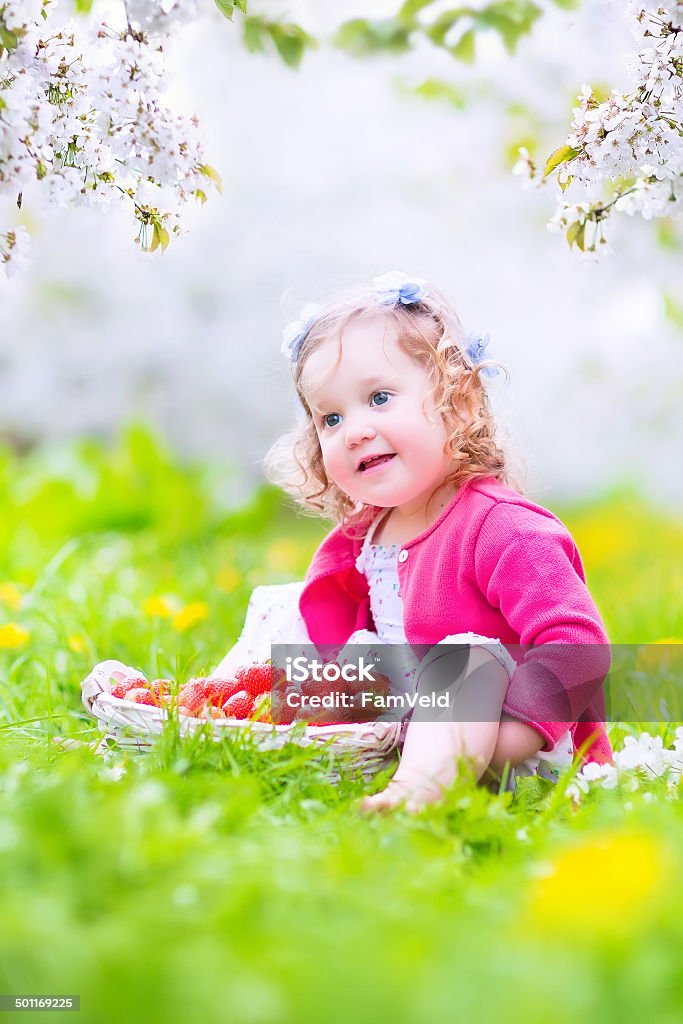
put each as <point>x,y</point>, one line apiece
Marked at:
<point>215,883</point>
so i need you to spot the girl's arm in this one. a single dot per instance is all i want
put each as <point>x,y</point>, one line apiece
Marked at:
<point>431,751</point>
<point>527,566</point>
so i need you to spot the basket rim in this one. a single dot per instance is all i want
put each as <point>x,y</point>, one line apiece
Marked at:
<point>161,714</point>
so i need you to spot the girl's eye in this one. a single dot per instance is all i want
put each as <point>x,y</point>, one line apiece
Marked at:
<point>327,420</point>
<point>380,398</point>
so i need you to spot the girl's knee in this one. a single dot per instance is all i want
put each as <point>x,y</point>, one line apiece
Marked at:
<point>516,742</point>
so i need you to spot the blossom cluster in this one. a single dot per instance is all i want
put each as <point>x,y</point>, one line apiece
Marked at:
<point>644,756</point>
<point>625,153</point>
<point>83,119</point>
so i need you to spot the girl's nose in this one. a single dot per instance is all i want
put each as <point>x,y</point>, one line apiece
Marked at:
<point>359,430</point>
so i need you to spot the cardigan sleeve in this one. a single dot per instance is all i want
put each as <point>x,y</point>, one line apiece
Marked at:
<point>528,566</point>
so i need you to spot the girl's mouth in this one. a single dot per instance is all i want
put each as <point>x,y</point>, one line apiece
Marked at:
<point>374,462</point>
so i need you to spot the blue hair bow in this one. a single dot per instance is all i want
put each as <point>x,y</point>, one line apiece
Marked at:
<point>396,288</point>
<point>476,344</point>
<point>295,332</point>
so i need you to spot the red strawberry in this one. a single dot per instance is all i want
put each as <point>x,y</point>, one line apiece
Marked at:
<point>122,688</point>
<point>202,681</point>
<point>282,712</point>
<point>160,687</point>
<point>218,690</point>
<point>256,679</point>
<point>240,705</point>
<point>142,695</point>
<point>192,695</point>
<point>262,709</point>
<point>318,687</point>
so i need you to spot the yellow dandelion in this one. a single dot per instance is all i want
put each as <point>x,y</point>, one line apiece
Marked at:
<point>77,643</point>
<point>602,540</point>
<point>619,874</point>
<point>190,615</point>
<point>283,555</point>
<point>13,636</point>
<point>10,596</point>
<point>228,579</point>
<point>159,607</point>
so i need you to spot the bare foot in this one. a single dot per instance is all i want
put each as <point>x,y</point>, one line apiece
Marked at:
<point>412,796</point>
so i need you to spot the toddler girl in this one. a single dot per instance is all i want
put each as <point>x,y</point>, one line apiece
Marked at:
<point>396,443</point>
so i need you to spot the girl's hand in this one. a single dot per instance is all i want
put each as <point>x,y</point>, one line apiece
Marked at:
<point>412,796</point>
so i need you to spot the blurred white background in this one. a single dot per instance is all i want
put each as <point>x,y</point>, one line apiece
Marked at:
<point>335,173</point>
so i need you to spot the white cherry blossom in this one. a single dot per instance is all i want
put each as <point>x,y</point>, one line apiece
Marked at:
<point>84,121</point>
<point>624,154</point>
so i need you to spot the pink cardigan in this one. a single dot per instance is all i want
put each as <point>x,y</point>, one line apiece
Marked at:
<point>495,564</point>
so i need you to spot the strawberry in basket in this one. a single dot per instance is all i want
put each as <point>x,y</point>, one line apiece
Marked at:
<point>259,678</point>
<point>122,688</point>
<point>192,697</point>
<point>260,693</point>
<point>218,691</point>
<point>161,688</point>
<point>262,710</point>
<point>139,691</point>
<point>240,705</point>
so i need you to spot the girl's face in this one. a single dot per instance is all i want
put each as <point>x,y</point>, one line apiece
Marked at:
<point>382,440</point>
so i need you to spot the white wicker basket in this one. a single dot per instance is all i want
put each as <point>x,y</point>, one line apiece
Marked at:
<point>366,747</point>
<point>272,617</point>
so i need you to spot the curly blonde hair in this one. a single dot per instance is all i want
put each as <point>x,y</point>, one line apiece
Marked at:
<point>431,333</point>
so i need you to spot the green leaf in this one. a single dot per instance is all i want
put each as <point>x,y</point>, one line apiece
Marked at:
<point>532,792</point>
<point>361,37</point>
<point>226,7</point>
<point>210,172</point>
<point>2,103</point>
<point>83,6</point>
<point>254,35</point>
<point>576,234</point>
<point>464,49</point>
<point>290,42</point>
<point>673,310</point>
<point>442,25</point>
<point>668,237</point>
<point>8,39</point>
<point>567,5</point>
<point>511,19</point>
<point>557,157</point>
<point>581,237</point>
<point>438,89</point>
<point>412,7</point>
<point>160,237</point>
<point>241,5</point>
<point>511,151</point>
